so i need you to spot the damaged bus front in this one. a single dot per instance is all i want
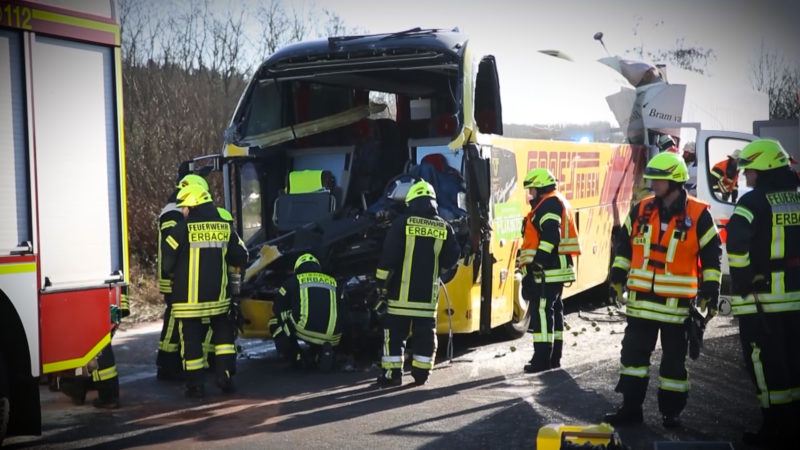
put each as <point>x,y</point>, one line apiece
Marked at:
<point>326,139</point>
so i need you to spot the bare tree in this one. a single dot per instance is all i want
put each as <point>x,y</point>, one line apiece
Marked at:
<point>780,80</point>
<point>274,26</point>
<point>184,65</point>
<point>335,26</point>
<point>696,59</point>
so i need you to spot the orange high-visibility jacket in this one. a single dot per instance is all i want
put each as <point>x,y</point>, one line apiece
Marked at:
<point>568,243</point>
<point>720,172</point>
<point>666,263</point>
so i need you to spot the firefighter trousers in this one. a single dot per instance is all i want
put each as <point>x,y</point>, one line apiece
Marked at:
<point>396,331</point>
<point>105,378</point>
<point>168,358</point>
<point>192,334</point>
<point>772,358</point>
<point>637,347</point>
<point>547,321</point>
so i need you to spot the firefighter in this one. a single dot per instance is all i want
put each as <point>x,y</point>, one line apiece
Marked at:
<point>103,371</point>
<point>726,174</point>
<point>168,358</point>
<point>666,144</point>
<point>306,308</point>
<point>764,254</point>
<point>665,239</point>
<point>550,240</point>
<point>419,247</point>
<point>198,254</point>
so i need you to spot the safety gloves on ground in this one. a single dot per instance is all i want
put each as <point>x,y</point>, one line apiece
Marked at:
<point>615,290</point>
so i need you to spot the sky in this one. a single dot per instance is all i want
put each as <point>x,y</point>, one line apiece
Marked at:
<point>513,30</point>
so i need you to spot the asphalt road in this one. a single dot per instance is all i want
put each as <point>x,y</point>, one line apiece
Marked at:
<point>479,399</point>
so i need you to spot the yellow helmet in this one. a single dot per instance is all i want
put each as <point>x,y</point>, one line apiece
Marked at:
<point>192,195</point>
<point>193,179</point>
<point>420,189</point>
<point>667,166</point>
<point>304,258</point>
<point>539,178</point>
<point>763,154</point>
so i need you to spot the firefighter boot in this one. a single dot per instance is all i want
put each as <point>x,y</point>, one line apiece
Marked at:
<point>194,384</point>
<point>107,394</point>
<point>555,357</point>
<point>326,358</point>
<point>625,415</point>
<point>225,383</point>
<point>671,420</point>
<point>420,376</point>
<point>390,378</point>
<point>75,388</point>
<point>540,361</point>
<point>769,435</point>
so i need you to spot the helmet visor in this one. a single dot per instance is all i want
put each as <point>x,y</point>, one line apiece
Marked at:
<point>658,173</point>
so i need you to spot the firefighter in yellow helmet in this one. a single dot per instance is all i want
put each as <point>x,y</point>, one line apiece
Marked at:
<point>764,254</point>
<point>306,309</point>
<point>168,358</point>
<point>550,240</point>
<point>419,247</point>
<point>196,257</point>
<point>663,239</point>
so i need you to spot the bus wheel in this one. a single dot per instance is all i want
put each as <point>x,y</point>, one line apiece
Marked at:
<point>5,404</point>
<point>521,318</point>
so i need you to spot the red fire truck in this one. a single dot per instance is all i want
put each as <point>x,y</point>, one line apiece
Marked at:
<point>63,241</point>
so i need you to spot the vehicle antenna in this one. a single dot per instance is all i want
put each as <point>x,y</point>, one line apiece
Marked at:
<point>599,37</point>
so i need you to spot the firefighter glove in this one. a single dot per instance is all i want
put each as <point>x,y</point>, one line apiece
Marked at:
<point>709,300</point>
<point>537,272</point>
<point>695,328</point>
<point>380,309</point>
<point>235,315</point>
<point>760,284</point>
<point>615,293</point>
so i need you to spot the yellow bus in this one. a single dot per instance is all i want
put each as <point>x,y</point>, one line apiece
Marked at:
<point>375,111</point>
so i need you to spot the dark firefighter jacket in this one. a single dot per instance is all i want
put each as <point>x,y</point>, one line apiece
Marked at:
<point>196,256</point>
<point>418,247</point>
<point>168,218</point>
<point>764,242</point>
<point>308,304</point>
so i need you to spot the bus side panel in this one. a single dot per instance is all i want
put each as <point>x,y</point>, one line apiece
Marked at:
<point>464,300</point>
<point>597,179</point>
<point>66,346</point>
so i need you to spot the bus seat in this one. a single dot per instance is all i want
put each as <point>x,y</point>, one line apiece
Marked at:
<point>295,210</point>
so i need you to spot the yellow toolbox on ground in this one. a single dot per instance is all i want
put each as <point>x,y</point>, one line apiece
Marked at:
<point>551,436</point>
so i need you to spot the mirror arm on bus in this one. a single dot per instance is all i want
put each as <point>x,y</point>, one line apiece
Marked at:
<point>24,248</point>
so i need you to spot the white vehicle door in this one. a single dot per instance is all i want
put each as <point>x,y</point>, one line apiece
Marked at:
<point>715,148</point>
